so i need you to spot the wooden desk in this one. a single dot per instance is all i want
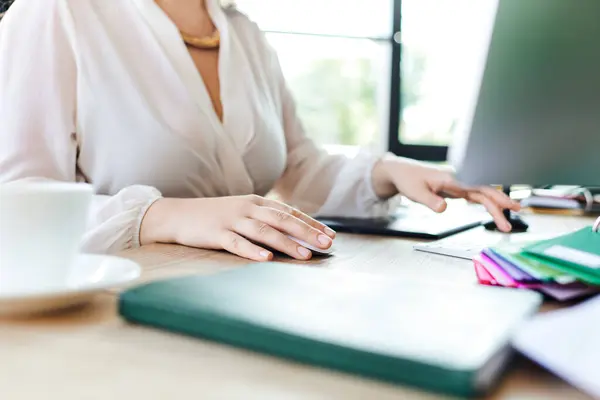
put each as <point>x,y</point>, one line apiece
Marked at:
<point>92,354</point>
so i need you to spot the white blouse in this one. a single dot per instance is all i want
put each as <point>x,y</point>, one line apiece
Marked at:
<point>105,91</point>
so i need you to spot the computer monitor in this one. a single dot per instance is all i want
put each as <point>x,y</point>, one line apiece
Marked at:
<point>535,112</point>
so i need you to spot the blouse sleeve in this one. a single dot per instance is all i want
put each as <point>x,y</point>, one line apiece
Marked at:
<point>320,183</point>
<point>38,139</point>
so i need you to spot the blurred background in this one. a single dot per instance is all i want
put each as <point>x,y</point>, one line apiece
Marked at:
<point>386,74</point>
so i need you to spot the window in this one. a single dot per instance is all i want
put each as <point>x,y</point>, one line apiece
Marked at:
<point>441,54</point>
<point>4,5</point>
<point>385,73</point>
<point>336,62</point>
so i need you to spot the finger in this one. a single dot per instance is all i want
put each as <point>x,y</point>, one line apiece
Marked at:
<point>300,215</point>
<point>428,198</point>
<point>500,198</point>
<point>492,208</point>
<point>453,189</point>
<point>453,193</point>
<point>287,223</point>
<point>261,232</point>
<point>235,244</point>
<point>456,190</point>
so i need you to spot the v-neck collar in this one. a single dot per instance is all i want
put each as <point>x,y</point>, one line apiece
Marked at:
<point>229,151</point>
<point>170,41</point>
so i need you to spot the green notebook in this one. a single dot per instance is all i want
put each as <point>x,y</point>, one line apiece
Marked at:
<point>538,269</point>
<point>576,254</point>
<point>444,338</point>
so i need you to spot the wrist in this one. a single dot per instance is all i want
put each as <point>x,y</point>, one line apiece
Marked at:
<point>381,177</point>
<point>158,225</point>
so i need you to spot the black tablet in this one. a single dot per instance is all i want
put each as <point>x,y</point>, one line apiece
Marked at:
<point>409,222</point>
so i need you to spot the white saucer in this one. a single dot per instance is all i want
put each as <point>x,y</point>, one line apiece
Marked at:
<point>89,275</point>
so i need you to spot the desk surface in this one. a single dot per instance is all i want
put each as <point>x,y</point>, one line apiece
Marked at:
<point>91,353</point>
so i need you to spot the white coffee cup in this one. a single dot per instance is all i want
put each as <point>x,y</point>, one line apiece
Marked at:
<point>41,227</point>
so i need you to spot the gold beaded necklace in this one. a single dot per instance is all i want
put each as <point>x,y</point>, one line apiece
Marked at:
<point>206,43</point>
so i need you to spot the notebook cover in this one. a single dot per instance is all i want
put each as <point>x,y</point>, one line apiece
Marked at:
<point>567,254</point>
<point>580,274</point>
<point>510,268</point>
<point>500,275</point>
<point>554,290</point>
<point>438,337</point>
<point>483,277</point>
<point>536,268</point>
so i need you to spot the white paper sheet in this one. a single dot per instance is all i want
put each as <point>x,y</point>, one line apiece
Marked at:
<point>566,342</point>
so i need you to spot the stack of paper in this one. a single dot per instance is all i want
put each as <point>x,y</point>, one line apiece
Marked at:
<point>567,342</point>
<point>583,199</point>
<point>564,268</point>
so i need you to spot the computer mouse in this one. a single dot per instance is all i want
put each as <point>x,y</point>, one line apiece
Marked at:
<point>315,250</point>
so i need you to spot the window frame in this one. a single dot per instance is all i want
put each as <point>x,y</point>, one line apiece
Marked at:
<point>4,5</point>
<point>395,145</point>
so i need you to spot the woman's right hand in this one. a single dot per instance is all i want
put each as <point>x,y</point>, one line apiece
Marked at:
<point>241,225</point>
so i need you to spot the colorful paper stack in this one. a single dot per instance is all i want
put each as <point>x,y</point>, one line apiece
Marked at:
<point>563,268</point>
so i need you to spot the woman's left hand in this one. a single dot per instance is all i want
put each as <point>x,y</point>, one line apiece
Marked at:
<point>429,185</point>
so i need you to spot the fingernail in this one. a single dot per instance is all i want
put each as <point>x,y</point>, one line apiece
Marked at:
<point>330,232</point>
<point>440,205</point>
<point>324,240</point>
<point>304,252</point>
<point>507,226</point>
<point>265,254</point>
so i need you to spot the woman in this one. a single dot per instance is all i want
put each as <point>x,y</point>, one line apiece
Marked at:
<point>178,113</point>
